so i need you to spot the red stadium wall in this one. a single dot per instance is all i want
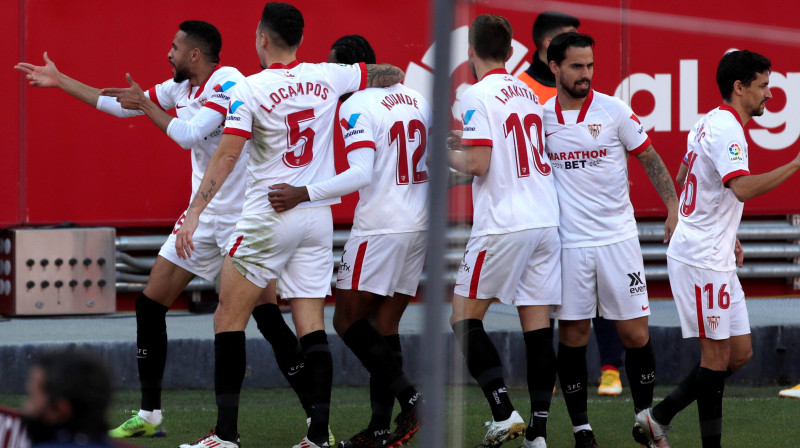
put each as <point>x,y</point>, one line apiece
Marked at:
<point>63,161</point>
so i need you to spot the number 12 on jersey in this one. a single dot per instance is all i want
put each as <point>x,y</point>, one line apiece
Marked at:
<point>416,134</point>
<point>527,133</point>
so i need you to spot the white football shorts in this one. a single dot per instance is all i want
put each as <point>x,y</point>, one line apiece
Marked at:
<point>518,268</point>
<point>383,264</point>
<point>610,276</point>
<point>294,246</point>
<point>710,303</point>
<point>209,240</point>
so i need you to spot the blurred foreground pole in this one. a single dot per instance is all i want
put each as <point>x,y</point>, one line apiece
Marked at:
<point>433,357</point>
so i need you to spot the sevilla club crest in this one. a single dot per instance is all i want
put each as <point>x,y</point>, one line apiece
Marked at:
<point>594,129</point>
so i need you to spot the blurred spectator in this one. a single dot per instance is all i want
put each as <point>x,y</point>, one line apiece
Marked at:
<point>68,396</point>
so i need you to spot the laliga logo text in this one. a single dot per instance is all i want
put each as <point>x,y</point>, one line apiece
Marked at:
<point>781,128</point>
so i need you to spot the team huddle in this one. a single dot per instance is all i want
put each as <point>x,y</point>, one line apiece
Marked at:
<point>550,189</point>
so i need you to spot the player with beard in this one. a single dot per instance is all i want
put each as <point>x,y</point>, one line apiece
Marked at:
<point>286,112</point>
<point>589,138</point>
<point>199,93</point>
<point>702,259</point>
<point>68,397</point>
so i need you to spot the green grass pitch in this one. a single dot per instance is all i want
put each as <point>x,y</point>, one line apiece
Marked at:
<point>753,417</point>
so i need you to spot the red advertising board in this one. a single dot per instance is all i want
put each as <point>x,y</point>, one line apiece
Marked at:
<point>64,161</point>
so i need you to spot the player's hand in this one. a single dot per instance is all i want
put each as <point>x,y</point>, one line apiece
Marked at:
<point>286,197</point>
<point>454,140</point>
<point>38,75</point>
<point>129,98</point>
<point>183,239</point>
<point>739,252</point>
<point>669,226</point>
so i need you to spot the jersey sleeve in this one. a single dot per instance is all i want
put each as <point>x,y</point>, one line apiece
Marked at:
<point>222,86</point>
<point>239,120</point>
<point>475,121</point>
<point>356,123</point>
<point>630,131</point>
<point>347,78</point>
<point>188,133</point>
<point>729,154</point>
<point>164,94</point>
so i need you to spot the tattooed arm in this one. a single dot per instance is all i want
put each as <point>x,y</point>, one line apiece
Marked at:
<point>219,168</point>
<point>659,175</point>
<point>383,75</point>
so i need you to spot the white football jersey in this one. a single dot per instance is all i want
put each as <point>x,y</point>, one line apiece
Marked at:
<point>709,211</point>
<point>187,102</point>
<point>287,112</point>
<point>517,192</point>
<point>395,122</point>
<point>588,149</point>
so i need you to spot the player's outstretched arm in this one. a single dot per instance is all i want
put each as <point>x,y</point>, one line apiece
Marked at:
<point>219,168</point>
<point>748,187</point>
<point>133,98</point>
<point>383,75</point>
<point>48,76</point>
<point>659,175</point>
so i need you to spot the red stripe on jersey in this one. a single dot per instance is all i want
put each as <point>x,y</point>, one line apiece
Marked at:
<point>558,112</point>
<point>497,71</point>
<point>151,92</point>
<point>362,249</point>
<point>733,174</point>
<point>698,293</point>
<point>363,84</point>
<point>203,85</point>
<point>216,107</point>
<point>476,275</point>
<point>641,148</point>
<point>239,132</point>
<point>585,107</point>
<point>278,65</point>
<point>359,145</point>
<point>477,142</point>
<point>236,245</point>
<point>733,111</point>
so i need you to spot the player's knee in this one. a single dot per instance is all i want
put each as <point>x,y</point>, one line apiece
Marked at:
<point>740,358</point>
<point>574,333</point>
<point>341,321</point>
<point>635,340</point>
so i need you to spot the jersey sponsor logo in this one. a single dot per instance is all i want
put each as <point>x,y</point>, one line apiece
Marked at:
<point>548,134</point>
<point>576,159</point>
<point>594,129</point>
<point>713,322</point>
<point>350,123</point>
<point>224,86</point>
<point>353,132</point>
<point>645,308</point>
<point>735,153</point>
<point>637,285</point>
<point>466,117</point>
<point>235,105</point>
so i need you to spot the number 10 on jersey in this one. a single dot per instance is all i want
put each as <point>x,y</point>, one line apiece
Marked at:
<point>527,133</point>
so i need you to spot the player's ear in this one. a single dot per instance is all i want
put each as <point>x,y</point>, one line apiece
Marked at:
<point>738,87</point>
<point>510,52</point>
<point>553,67</point>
